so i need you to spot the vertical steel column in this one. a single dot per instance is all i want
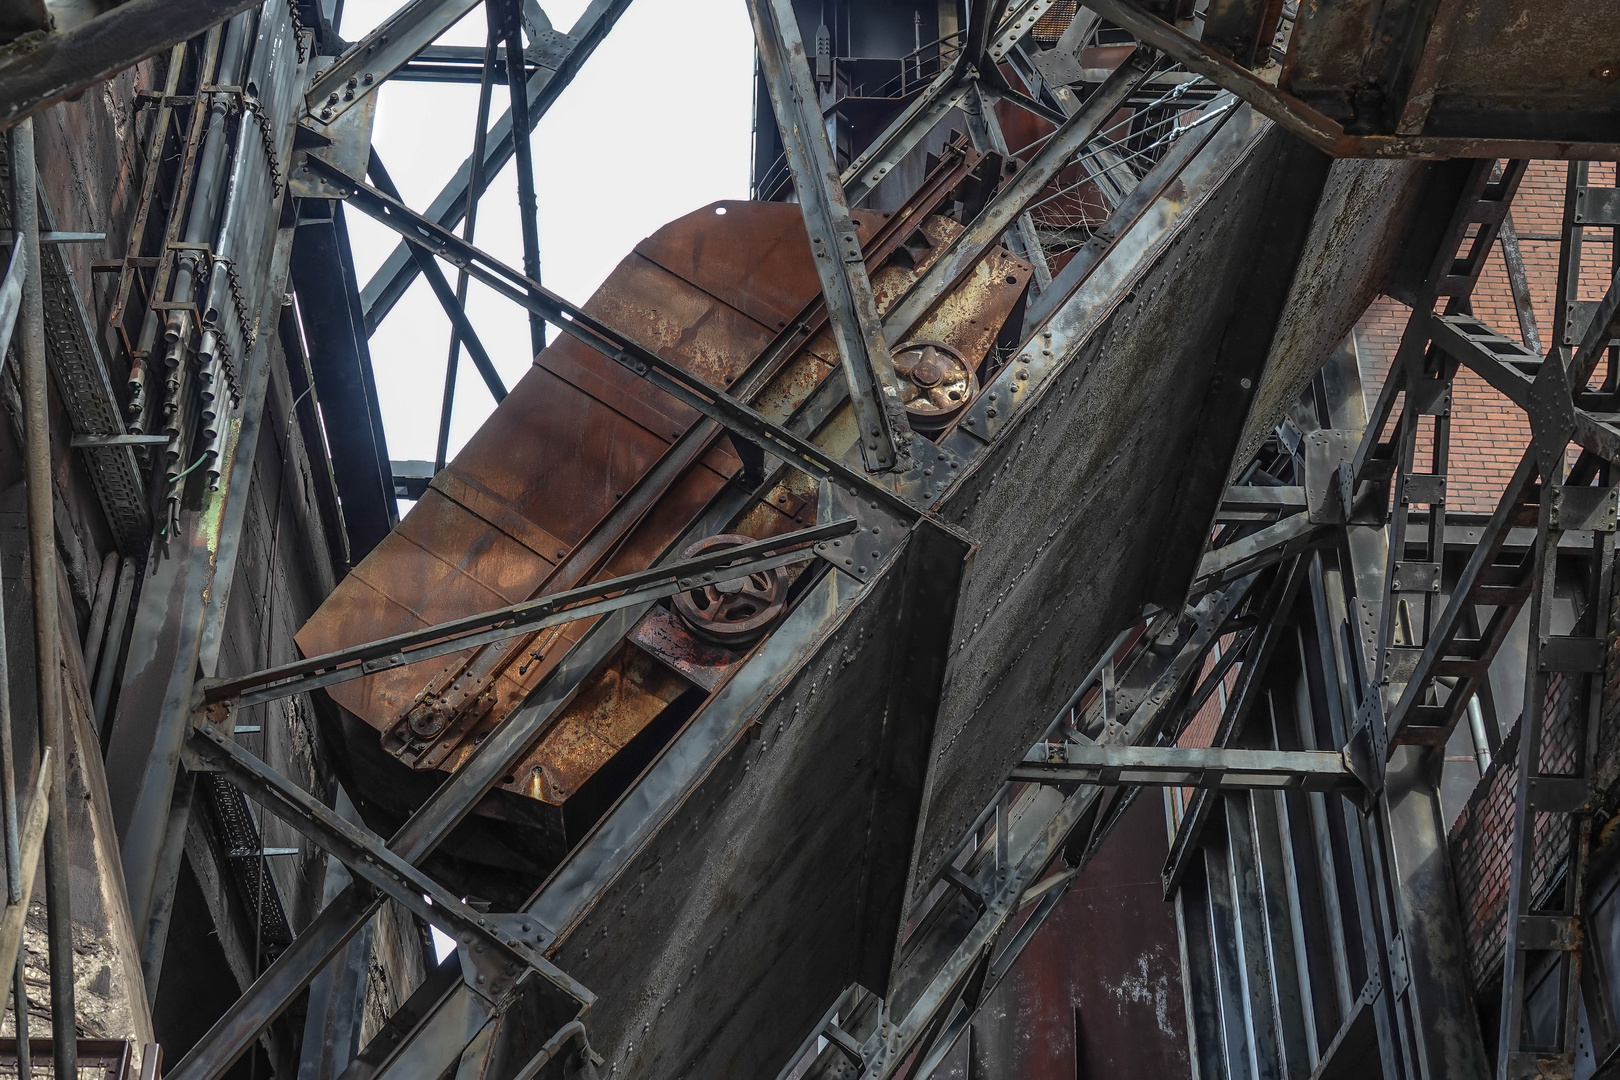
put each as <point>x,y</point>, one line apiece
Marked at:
<point>851,309</point>
<point>8,806</point>
<point>475,190</point>
<point>42,559</point>
<point>517,83</point>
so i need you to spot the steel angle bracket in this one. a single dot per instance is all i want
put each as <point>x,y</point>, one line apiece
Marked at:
<point>1552,417</point>
<point>345,142</point>
<point>878,532</point>
<point>1367,748</point>
<point>1584,509</point>
<point>1332,495</point>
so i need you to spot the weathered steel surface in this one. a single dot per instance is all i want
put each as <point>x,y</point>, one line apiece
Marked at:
<point>577,433</point>
<point>790,846</point>
<point>1118,444</point>
<point>1509,68</point>
<point>573,436</point>
<point>1097,992</point>
<point>1360,224</point>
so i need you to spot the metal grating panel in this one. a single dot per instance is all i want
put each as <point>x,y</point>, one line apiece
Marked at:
<point>1480,853</point>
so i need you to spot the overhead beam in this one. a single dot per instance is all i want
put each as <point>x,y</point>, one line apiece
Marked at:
<point>1200,767</point>
<point>1309,124</point>
<point>874,389</point>
<point>66,64</point>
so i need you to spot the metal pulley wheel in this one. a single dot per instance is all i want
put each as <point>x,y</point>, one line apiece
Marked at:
<point>938,384</point>
<point>737,610</point>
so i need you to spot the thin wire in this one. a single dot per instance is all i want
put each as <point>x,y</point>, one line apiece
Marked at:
<point>1175,133</point>
<point>189,469</point>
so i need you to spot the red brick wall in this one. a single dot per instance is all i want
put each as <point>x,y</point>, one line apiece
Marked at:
<point>1488,433</point>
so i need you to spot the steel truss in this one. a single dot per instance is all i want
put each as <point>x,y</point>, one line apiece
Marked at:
<point>1309,549</point>
<point>1389,993</point>
<point>390,868</point>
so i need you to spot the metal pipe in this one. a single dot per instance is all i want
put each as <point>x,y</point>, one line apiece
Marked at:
<point>117,630</point>
<point>211,170</point>
<point>47,631</point>
<point>98,615</point>
<point>1476,727</point>
<point>574,1029</point>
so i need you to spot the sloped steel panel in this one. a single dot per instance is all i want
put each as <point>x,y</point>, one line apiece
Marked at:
<point>1157,394</point>
<point>777,877</point>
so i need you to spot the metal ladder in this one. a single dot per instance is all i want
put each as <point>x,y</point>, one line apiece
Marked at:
<point>1542,952</point>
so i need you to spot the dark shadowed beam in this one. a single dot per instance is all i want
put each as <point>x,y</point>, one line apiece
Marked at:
<point>67,64</point>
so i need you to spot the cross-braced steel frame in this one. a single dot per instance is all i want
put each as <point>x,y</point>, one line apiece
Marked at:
<point>1330,531</point>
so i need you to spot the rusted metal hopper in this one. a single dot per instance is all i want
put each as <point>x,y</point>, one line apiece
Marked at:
<point>583,474</point>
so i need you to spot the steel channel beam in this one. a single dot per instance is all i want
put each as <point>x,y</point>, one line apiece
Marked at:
<point>469,222</point>
<point>389,283</point>
<point>369,859</point>
<point>1411,927</point>
<point>1255,552</point>
<point>432,822</point>
<point>470,631</point>
<point>1519,284</point>
<point>970,245</point>
<point>1015,25</point>
<point>1211,767</point>
<point>874,388</point>
<point>528,210</point>
<point>574,321</point>
<point>365,64</point>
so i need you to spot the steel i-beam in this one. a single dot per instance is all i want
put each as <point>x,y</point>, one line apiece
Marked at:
<point>851,308</point>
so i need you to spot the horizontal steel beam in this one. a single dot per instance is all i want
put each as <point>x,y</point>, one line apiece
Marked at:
<point>1254,503</point>
<point>471,631</point>
<point>1202,767</point>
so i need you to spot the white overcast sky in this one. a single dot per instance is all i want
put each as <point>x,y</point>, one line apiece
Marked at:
<point>656,124</point>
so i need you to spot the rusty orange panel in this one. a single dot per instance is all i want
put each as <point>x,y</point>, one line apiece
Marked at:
<point>575,433</point>
<point>754,257</point>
